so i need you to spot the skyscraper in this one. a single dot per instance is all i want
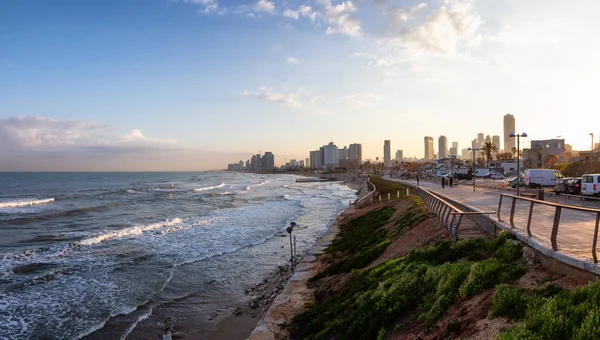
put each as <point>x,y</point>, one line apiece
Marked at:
<point>355,153</point>
<point>480,139</point>
<point>387,157</point>
<point>496,141</point>
<point>428,148</point>
<point>399,155</point>
<point>488,139</point>
<point>442,147</point>
<point>509,126</point>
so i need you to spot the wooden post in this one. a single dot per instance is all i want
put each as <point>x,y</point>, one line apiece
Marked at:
<point>389,195</point>
<point>379,198</point>
<point>398,194</point>
<point>291,252</point>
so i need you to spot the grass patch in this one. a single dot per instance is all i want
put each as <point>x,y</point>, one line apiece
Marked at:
<point>385,187</point>
<point>427,280</point>
<point>362,240</point>
<point>561,314</point>
<point>413,216</point>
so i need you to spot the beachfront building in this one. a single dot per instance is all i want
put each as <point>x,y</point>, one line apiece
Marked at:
<point>442,147</point>
<point>538,156</point>
<point>307,162</point>
<point>480,139</point>
<point>428,148</point>
<point>268,161</point>
<point>387,153</point>
<point>330,156</point>
<point>355,152</point>
<point>316,159</point>
<point>509,126</point>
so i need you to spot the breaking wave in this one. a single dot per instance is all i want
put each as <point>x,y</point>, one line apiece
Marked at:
<point>210,188</point>
<point>24,203</point>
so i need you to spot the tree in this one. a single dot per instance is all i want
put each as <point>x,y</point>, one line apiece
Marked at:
<point>504,156</point>
<point>488,149</point>
<point>551,160</point>
<point>514,151</point>
<point>480,162</point>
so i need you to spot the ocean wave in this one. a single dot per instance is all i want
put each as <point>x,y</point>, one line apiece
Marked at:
<point>210,188</point>
<point>66,213</point>
<point>256,185</point>
<point>127,232</point>
<point>132,327</point>
<point>24,203</point>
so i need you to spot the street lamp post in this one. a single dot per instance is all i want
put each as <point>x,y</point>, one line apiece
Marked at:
<point>473,173</point>
<point>592,134</point>
<point>512,134</point>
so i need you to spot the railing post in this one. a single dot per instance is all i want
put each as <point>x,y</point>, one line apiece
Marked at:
<point>529,218</point>
<point>442,217</point>
<point>452,229</point>
<point>555,228</point>
<point>448,216</point>
<point>389,195</point>
<point>512,212</point>
<point>595,238</point>
<point>499,207</point>
<point>379,198</point>
<point>456,227</point>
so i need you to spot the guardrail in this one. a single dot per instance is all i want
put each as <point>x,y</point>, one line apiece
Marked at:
<point>359,203</point>
<point>443,209</point>
<point>557,212</point>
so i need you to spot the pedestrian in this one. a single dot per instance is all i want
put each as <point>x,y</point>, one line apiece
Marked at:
<point>451,182</point>
<point>418,180</point>
<point>443,182</point>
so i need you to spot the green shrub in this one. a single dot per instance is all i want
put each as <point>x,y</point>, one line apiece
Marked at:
<point>509,302</point>
<point>509,252</point>
<point>488,273</point>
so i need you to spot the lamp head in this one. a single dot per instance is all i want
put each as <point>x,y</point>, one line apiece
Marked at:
<point>524,134</point>
<point>512,134</point>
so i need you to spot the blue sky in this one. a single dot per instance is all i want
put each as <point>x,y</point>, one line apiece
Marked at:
<point>167,85</point>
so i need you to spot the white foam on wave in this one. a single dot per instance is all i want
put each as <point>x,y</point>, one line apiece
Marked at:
<point>132,327</point>
<point>24,203</point>
<point>210,188</point>
<point>256,185</point>
<point>128,232</point>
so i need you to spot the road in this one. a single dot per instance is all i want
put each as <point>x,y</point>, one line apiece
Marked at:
<point>576,230</point>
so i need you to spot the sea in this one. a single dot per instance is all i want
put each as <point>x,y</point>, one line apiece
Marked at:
<point>109,255</point>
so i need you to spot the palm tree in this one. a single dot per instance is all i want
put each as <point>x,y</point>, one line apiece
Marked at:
<point>487,150</point>
<point>514,151</point>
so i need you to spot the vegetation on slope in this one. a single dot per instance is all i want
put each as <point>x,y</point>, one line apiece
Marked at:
<point>550,313</point>
<point>385,187</point>
<point>422,285</point>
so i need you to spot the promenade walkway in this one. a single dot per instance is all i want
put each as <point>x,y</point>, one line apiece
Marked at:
<point>575,234</point>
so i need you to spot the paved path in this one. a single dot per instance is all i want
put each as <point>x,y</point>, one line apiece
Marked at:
<point>575,233</point>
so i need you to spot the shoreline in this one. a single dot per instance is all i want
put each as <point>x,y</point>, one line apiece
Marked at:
<point>240,318</point>
<point>273,296</point>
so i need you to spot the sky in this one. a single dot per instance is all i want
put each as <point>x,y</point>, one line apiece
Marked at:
<point>195,84</point>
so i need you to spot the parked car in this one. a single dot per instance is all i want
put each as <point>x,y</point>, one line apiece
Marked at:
<point>562,185</point>
<point>574,186</point>
<point>590,185</point>
<point>496,175</point>
<point>513,182</point>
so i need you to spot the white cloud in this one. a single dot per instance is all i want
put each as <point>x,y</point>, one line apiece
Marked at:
<point>291,14</point>
<point>448,28</point>
<point>29,132</point>
<point>293,60</point>
<point>208,5</point>
<point>339,18</point>
<point>265,6</point>
<point>292,100</point>
<point>360,100</point>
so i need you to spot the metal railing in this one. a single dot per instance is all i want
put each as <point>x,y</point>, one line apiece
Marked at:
<point>557,213</point>
<point>450,215</point>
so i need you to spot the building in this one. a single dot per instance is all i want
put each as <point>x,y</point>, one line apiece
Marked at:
<point>399,155</point>
<point>453,152</point>
<point>466,154</point>
<point>301,163</point>
<point>355,153</point>
<point>307,162</point>
<point>428,148</point>
<point>509,127</point>
<point>442,147</point>
<point>474,144</point>
<point>387,153</point>
<point>343,153</point>
<point>488,139</point>
<point>480,139</point>
<point>316,159</point>
<point>268,161</point>
<point>496,141</point>
<point>538,156</point>
<point>330,156</point>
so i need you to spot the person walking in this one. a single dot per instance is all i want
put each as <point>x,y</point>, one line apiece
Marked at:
<point>443,182</point>
<point>451,182</point>
<point>418,180</point>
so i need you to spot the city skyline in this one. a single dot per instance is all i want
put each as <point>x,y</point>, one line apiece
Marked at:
<point>197,84</point>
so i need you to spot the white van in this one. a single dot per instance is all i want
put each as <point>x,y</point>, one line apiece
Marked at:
<point>481,172</point>
<point>537,178</point>
<point>590,185</point>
